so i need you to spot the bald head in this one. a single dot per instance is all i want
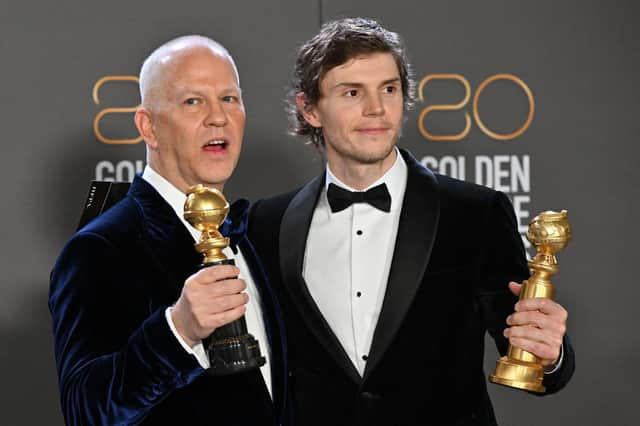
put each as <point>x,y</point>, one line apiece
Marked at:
<point>158,68</point>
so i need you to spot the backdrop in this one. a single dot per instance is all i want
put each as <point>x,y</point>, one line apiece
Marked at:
<point>537,99</point>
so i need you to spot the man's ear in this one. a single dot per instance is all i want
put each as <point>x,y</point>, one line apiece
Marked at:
<point>308,111</point>
<point>144,123</point>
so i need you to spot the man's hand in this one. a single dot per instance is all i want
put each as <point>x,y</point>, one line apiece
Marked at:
<point>537,326</point>
<point>210,298</point>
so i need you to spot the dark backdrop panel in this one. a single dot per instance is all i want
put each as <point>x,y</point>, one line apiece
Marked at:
<point>579,60</point>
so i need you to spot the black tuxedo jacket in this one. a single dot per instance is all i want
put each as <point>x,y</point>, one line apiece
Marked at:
<point>118,361</point>
<point>457,248</point>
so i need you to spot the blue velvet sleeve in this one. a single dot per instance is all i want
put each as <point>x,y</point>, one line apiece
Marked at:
<point>115,353</point>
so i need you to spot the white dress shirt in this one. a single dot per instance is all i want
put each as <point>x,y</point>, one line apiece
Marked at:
<point>253,314</point>
<point>348,258</point>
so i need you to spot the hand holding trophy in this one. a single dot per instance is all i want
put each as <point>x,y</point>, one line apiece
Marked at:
<point>549,232</point>
<point>231,349</point>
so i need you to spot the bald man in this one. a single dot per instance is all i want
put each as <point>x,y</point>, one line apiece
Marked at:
<point>130,306</point>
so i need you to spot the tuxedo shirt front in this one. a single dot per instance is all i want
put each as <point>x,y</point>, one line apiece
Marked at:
<point>347,261</point>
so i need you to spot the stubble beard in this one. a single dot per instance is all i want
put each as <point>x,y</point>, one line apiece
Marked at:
<point>366,158</point>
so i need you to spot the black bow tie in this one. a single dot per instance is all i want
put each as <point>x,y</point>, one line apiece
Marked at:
<point>340,198</point>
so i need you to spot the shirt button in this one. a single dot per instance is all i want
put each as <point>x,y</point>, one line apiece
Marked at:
<point>364,357</point>
<point>358,294</point>
<point>359,232</point>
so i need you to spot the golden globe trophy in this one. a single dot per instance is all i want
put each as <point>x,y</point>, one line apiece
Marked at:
<point>549,232</point>
<point>231,348</point>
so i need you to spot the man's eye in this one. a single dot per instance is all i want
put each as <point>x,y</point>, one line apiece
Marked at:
<point>229,98</point>
<point>192,101</point>
<point>390,89</point>
<point>351,93</point>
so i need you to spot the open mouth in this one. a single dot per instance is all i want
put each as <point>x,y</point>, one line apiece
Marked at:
<point>216,145</point>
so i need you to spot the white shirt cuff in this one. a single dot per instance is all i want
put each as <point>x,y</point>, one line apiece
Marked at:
<point>557,365</point>
<point>197,350</point>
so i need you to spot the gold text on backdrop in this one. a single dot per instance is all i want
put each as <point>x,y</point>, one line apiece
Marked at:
<point>120,110</point>
<point>476,115</point>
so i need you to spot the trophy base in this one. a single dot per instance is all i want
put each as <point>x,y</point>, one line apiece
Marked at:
<point>234,355</point>
<point>232,349</point>
<point>518,374</point>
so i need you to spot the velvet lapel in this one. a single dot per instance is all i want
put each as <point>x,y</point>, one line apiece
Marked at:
<point>293,240</point>
<point>274,324</point>
<point>167,240</point>
<point>416,234</point>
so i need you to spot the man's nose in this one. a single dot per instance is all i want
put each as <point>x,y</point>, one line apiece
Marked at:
<point>217,116</point>
<point>374,104</point>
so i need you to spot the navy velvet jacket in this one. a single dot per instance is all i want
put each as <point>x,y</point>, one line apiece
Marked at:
<point>118,361</point>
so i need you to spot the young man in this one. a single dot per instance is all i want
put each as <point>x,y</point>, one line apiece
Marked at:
<point>129,306</point>
<point>391,274</point>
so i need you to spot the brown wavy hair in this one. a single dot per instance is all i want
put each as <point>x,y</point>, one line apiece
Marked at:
<point>337,42</point>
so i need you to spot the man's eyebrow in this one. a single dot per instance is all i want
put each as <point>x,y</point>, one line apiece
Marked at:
<point>391,81</point>
<point>189,91</point>
<point>346,84</point>
<point>355,84</point>
<point>199,91</point>
<point>231,90</point>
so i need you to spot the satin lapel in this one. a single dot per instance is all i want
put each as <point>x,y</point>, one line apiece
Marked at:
<point>168,242</point>
<point>416,234</point>
<point>293,239</point>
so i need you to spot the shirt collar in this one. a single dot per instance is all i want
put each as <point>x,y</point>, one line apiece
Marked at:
<point>172,195</point>
<point>395,178</point>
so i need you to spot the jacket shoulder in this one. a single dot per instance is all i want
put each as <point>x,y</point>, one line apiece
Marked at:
<point>265,218</point>
<point>118,225</point>
<point>268,212</point>
<point>469,208</point>
<point>456,190</point>
<point>452,191</point>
